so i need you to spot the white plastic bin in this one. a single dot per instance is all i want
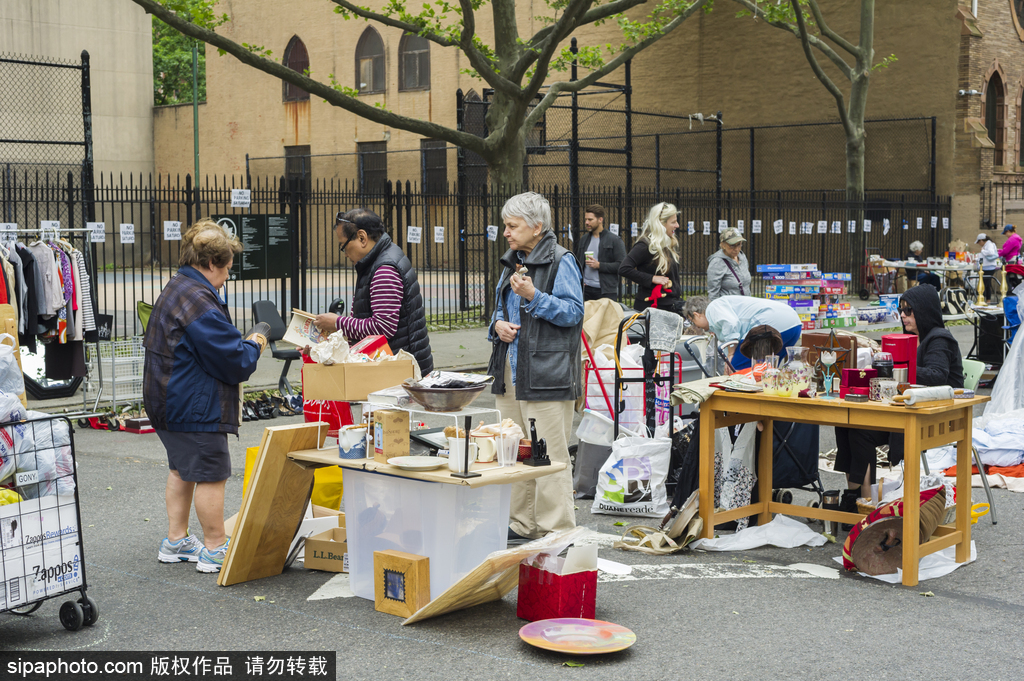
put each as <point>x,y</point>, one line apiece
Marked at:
<point>454,525</point>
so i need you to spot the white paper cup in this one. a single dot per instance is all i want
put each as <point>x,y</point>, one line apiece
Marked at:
<point>507,449</point>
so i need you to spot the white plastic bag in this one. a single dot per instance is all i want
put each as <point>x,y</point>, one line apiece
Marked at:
<point>632,481</point>
<point>11,379</point>
<point>631,417</point>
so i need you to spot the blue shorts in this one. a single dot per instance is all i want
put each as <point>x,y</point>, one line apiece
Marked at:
<point>197,457</point>
<point>790,337</point>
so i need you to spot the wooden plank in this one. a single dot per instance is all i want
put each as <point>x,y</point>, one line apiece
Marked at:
<point>963,481</point>
<point>490,473</point>
<point>911,499</point>
<point>272,510</point>
<point>816,513</point>
<point>764,471</point>
<point>939,543</point>
<point>706,473</point>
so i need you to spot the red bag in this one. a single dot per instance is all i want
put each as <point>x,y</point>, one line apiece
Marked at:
<point>334,414</point>
<point>545,595</point>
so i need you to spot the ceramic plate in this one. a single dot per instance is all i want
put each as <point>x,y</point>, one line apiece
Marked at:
<point>418,463</point>
<point>577,636</point>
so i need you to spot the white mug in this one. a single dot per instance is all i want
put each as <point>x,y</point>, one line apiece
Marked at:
<point>486,451</point>
<point>457,454</point>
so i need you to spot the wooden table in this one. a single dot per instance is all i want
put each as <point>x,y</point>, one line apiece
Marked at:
<point>455,522</point>
<point>922,429</point>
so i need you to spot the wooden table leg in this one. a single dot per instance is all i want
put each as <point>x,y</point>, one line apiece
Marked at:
<point>911,499</point>
<point>764,471</point>
<point>706,480</point>
<point>963,487</point>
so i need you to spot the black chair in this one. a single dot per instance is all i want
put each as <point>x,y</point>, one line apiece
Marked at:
<point>266,311</point>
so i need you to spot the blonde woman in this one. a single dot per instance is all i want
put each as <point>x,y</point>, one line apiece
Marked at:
<point>654,260</point>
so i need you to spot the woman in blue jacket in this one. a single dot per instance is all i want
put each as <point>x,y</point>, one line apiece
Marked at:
<point>195,362</point>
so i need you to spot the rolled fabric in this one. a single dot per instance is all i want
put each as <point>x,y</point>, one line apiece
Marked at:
<point>939,392</point>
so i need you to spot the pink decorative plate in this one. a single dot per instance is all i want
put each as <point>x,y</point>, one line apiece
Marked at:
<point>577,636</point>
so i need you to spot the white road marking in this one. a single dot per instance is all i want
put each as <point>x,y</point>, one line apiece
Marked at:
<point>335,587</point>
<point>713,571</point>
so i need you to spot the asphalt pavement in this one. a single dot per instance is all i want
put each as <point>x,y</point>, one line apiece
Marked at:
<point>698,615</point>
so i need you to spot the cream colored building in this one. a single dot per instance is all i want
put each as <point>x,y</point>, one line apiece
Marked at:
<point>118,36</point>
<point>754,74</point>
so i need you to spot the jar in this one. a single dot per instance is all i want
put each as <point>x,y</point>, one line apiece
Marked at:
<point>796,373</point>
<point>882,363</point>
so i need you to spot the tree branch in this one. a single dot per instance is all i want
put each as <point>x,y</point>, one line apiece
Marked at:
<point>576,85</point>
<point>829,33</point>
<point>363,13</point>
<point>818,44</point>
<point>482,146</point>
<point>591,15</point>
<point>561,30</point>
<point>819,72</point>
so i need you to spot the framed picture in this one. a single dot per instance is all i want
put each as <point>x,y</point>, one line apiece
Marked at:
<point>402,582</point>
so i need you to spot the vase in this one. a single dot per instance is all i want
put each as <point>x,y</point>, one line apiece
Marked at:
<point>771,380</point>
<point>796,373</point>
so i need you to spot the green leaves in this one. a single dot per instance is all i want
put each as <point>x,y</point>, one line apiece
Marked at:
<point>884,64</point>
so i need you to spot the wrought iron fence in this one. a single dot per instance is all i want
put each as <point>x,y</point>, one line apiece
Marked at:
<point>1002,203</point>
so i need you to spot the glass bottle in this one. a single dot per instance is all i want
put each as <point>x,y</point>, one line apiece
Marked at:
<point>772,377</point>
<point>796,373</point>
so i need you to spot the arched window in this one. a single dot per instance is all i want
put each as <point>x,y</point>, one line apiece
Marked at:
<point>370,62</point>
<point>995,116</point>
<point>413,63</point>
<point>297,59</point>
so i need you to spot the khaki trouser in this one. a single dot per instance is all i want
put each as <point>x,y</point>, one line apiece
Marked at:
<point>544,504</point>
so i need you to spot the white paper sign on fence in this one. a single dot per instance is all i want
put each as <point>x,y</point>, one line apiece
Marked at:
<point>98,232</point>
<point>723,225</point>
<point>614,229</point>
<point>634,228</point>
<point>172,230</point>
<point>241,198</point>
<point>867,226</point>
<point>438,234</point>
<point>945,223</point>
<point>739,226</point>
<point>127,233</point>
<point>707,228</point>
<point>792,229</point>
<point>885,226</point>
<point>777,226</point>
<point>755,227</point>
<point>691,228</point>
<point>837,227</point>
<point>920,223</point>
<point>492,232</point>
<point>905,225</point>
<point>8,232</point>
<point>935,222</point>
<point>49,229</point>
<point>414,235</point>
<point>822,226</point>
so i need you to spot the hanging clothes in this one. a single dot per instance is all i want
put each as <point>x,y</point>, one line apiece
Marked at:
<point>20,288</point>
<point>33,288</point>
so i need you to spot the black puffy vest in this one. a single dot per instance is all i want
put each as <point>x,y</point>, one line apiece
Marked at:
<point>411,334</point>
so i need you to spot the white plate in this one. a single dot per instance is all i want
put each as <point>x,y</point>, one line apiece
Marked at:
<point>418,463</point>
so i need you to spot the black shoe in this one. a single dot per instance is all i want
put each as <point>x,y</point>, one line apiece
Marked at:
<point>516,539</point>
<point>848,504</point>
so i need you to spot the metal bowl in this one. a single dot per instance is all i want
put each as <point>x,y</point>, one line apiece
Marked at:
<point>444,399</point>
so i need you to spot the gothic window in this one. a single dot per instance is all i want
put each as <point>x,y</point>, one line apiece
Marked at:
<point>413,63</point>
<point>297,59</point>
<point>995,117</point>
<point>370,62</point>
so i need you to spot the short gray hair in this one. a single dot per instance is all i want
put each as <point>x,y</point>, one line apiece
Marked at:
<point>916,246</point>
<point>695,305</point>
<point>529,206</point>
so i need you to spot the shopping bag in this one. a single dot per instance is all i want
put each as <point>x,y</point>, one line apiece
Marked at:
<point>632,481</point>
<point>335,414</point>
<point>552,587</point>
<point>631,395</point>
<point>11,380</point>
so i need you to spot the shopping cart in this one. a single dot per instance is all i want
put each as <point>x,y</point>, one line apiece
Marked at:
<point>41,552</point>
<point>115,378</point>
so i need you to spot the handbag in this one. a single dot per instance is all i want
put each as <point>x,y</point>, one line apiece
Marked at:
<point>738,281</point>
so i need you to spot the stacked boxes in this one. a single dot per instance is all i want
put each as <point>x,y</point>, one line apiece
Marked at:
<point>813,294</point>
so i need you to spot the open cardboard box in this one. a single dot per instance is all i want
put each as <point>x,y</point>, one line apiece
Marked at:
<point>327,551</point>
<point>352,382</point>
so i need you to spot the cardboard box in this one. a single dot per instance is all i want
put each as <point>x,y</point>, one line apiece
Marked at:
<point>352,382</point>
<point>559,587</point>
<point>327,551</point>
<point>46,570</point>
<point>390,434</point>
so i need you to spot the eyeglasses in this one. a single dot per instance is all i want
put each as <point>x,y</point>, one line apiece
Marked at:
<point>906,310</point>
<point>338,219</point>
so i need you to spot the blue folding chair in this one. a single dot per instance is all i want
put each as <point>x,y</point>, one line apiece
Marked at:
<point>1012,319</point>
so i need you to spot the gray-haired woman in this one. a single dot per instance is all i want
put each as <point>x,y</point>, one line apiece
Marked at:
<point>535,360</point>
<point>728,270</point>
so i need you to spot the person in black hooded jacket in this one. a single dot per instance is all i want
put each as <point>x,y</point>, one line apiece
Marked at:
<point>939,362</point>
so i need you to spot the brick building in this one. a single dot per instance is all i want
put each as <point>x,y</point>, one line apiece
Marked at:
<point>755,74</point>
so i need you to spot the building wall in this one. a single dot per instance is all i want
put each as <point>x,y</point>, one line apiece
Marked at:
<point>118,37</point>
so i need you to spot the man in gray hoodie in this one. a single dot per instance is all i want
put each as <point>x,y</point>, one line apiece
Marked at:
<point>728,271</point>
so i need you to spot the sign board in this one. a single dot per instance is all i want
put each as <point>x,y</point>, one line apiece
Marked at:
<point>99,232</point>
<point>127,233</point>
<point>614,228</point>
<point>755,227</point>
<point>49,229</point>
<point>492,232</point>
<point>438,234</point>
<point>8,232</point>
<point>172,230</point>
<point>241,198</point>
<point>413,235</point>
<point>267,245</point>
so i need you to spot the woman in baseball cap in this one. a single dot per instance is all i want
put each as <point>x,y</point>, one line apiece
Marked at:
<point>989,263</point>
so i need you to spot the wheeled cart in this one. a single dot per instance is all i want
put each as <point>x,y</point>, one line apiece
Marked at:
<point>41,552</point>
